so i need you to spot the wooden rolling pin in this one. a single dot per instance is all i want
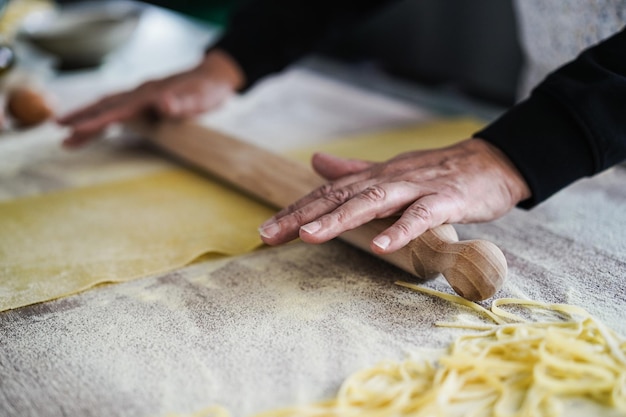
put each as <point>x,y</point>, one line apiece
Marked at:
<point>475,268</point>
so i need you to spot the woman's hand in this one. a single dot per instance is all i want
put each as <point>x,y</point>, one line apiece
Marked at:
<point>186,94</point>
<point>472,181</point>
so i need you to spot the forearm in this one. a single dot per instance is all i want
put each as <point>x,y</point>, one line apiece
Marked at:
<point>572,126</point>
<point>265,36</point>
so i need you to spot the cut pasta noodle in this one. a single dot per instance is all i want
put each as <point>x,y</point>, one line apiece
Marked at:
<point>513,368</point>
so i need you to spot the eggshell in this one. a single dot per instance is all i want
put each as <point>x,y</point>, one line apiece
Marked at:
<point>27,106</point>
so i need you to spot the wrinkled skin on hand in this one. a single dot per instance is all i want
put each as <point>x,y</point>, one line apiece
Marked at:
<point>471,181</point>
<point>198,90</point>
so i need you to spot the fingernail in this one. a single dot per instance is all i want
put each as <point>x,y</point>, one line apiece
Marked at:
<point>382,242</point>
<point>312,227</point>
<point>269,230</point>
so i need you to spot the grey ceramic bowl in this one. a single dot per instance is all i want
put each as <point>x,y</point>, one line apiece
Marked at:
<point>83,34</point>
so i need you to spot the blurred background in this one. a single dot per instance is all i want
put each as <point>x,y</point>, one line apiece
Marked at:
<point>469,49</point>
<point>468,46</point>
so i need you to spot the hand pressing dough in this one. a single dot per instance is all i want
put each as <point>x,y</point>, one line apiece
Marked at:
<point>62,243</point>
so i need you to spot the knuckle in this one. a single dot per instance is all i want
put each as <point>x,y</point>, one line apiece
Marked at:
<point>341,216</point>
<point>373,194</point>
<point>419,212</point>
<point>404,228</point>
<point>324,190</point>
<point>300,217</point>
<point>337,197</point>
<point>287,210</point>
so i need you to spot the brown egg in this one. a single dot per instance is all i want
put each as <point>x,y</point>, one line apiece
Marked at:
<point>27,106</point>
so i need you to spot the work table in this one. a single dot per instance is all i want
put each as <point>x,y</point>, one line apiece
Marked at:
<point>282,325</point>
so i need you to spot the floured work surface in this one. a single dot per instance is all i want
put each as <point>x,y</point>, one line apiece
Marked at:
<point>269,329</point>
<point>286,325</point>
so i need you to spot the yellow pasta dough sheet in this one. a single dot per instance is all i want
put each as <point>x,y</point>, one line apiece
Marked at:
<point>61,243</point>
<point>383,145</point>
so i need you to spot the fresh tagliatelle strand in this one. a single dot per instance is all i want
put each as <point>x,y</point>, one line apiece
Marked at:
<point>453,299</point>
<point>580,356</point>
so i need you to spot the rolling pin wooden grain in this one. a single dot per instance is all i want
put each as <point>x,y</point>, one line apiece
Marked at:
<point>475,269</point>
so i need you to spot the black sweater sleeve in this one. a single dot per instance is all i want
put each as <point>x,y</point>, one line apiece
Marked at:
<point>573,125</point>
<point>264,36</point>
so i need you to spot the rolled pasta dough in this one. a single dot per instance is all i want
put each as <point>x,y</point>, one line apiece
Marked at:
<point>61,243</point>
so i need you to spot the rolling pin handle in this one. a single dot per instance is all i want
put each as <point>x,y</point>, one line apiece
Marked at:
<point>429,259</point>
<point>475,269</point>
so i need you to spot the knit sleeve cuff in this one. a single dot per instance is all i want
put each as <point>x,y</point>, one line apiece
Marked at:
<point>545,143</point>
